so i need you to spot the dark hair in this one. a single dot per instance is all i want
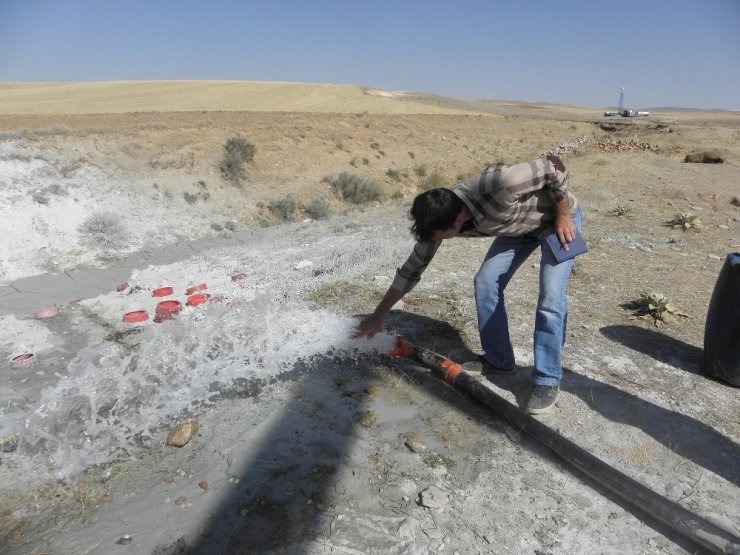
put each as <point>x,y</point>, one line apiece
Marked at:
<point>434,210</point>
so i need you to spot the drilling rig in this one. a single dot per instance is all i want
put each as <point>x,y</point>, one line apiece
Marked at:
<point>626,113</point>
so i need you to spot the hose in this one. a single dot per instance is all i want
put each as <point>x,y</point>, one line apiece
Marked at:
<point>691,526</point>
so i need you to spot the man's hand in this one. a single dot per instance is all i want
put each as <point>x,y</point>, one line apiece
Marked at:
<point>374,323</point>
<point>565,229</point>
<point>563,226</point>
<point>370,326</point>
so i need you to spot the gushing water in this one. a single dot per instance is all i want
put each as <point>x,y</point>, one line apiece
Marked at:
<point>106,407</point>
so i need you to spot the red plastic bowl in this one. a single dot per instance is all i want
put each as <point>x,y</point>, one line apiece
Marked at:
<point>162,292</point>
<point>136,316</point>
<point>46,312</point>
<point>168,307</point>
<point>194,288</point>
<point>26,360</point>
<point>200,298</point>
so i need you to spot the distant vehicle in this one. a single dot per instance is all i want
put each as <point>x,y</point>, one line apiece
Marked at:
<point>626,113</point>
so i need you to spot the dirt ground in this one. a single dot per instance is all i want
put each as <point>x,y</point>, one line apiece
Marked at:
<point>316,459</point>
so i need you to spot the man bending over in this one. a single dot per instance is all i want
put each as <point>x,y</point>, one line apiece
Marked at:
<point>520,205</point>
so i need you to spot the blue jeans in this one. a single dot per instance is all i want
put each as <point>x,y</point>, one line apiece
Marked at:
<point>502,260</point>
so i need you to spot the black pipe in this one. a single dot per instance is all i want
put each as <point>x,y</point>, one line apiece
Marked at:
<point>695,528</point>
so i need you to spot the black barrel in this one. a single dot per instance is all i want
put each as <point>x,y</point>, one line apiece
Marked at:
<point>722,330</point>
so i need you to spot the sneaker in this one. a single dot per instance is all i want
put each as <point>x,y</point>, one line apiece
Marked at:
<point>482,366</point>
<point>542,398</point>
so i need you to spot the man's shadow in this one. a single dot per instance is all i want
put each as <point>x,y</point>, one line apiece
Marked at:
<point>686,436</point>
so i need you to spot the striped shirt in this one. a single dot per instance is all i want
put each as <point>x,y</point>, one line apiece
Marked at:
<point>504,200</point>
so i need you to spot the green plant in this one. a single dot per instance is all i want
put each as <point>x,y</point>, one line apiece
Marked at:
<point>283,208</point>
<point>216,227</point>
<point>355,189</point>
<point>655,306</point>
<point>318,209</point>
<point>434,181</point>
<point>685,221</point>
<point>237,152</point>
<point>623,211</point>
<point>434,460</point>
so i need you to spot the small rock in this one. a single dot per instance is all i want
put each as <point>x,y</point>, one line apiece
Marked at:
<point>125,540</point>
<point>181,434</point>
<point>181,501</point>
<point>406,528</point>
<point>723,226</point>
<point>9,443</point>
<point>433,498</point>
<point>203,485</point>
<point>303,264</point>
<point>714,257</point>
<point>415,445</point>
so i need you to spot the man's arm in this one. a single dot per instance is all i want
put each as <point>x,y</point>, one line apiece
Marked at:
<point>407,276</point>
<point>374,323</point>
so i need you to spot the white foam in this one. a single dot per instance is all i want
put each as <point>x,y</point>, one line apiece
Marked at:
<point>105,407</point>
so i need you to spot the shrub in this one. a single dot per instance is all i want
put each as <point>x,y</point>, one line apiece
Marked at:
<point>42,196</point>
<point>105,231</point>
<point>421,170</point>
<point>355,189</point>
<point>318,209</point>
<point>192,198</point>
<point>434,181</point>
<point>283,208</point>
<point>392,174</point>
<point>237,151</point>
<point>620,210</point>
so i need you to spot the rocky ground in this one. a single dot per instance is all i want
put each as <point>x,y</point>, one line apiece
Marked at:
<point>312,443</point>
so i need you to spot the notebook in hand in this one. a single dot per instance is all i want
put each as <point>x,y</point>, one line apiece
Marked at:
<point>575,247</point>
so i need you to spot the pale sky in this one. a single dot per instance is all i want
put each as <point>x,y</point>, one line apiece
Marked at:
<point>682,53</point>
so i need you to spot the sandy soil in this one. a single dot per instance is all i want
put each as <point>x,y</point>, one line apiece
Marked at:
<point>303,433</point>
